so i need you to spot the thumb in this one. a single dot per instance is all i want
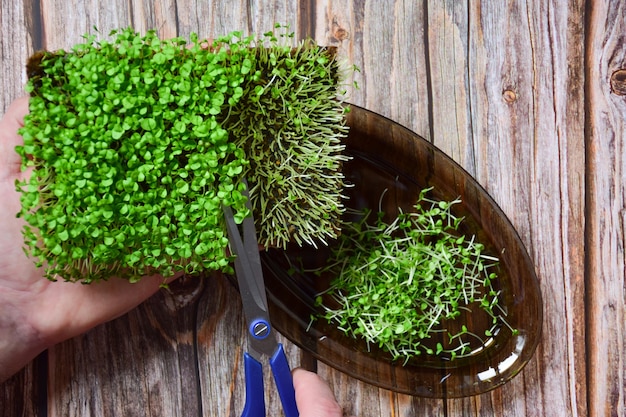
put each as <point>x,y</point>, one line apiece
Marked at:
<point>313,396</point>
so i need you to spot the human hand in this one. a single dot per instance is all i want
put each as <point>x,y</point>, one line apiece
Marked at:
<point>313,395</point>
<point>35,312</point>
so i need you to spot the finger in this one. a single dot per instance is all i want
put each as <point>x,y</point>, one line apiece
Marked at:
<point>10,161</point>
<point>313,395</point>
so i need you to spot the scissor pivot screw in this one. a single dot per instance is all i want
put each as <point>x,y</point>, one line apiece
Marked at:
<point>260,329</point>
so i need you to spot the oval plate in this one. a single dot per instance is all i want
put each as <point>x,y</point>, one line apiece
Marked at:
<point>390,166</point>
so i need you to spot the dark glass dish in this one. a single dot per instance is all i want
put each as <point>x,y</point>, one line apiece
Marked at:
<point>390,165</point>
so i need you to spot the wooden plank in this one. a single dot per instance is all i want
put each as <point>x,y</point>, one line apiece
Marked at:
<point>449,52</point>
<point>606,215</point>
<point>65,23</point>
<point>24,394</point>
<point>362,399</point>
<point>525,145</point>
<point>504,108</point>
<point>469,93</point>
<point>375,37</point>
<point>210,19</point>
<point>384,40</point>
<point>145,360</point>
<point>19,38</point>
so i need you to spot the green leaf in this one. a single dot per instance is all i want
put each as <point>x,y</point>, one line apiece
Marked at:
<point>201,249</point>
<point>57,250</point>
<point>159,58</point>
<point>63,235</point>
<point>117,132</point>
<point>148,124</point>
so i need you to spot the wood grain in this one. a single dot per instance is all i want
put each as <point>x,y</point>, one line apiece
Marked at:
<point>145,361</point>
<point>25,393</point>
<point>502,106</point>
<point>518,92</point>
<point>18,39</point>
<point>606,205</point>
<point>508,119</point>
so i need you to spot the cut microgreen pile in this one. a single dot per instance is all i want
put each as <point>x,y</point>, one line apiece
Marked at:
<point>397,283</point>
<point>136,143</point>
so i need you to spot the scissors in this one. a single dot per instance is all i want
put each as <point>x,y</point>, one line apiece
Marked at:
<point>261,337</point>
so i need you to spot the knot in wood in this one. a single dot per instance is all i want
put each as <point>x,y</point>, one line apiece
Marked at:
<point>184,291</point>
<point>340,33</point>
<point>618,82</point>
<point>509,96</point>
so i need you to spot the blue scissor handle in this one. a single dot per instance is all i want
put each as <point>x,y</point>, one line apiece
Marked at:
<point>255,394</point>
<point>255,400</point>
<point>284,382</point>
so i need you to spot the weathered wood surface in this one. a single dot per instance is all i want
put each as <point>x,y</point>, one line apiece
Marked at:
<point>606,207</point>
<point>518,92</point>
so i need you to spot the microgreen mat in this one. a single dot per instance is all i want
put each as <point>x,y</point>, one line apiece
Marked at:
<point>136,143</point>
<point>397,283</point>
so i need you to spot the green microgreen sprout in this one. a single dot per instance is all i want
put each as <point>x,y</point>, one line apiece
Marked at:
<point>397,284</point>
<point>136,143</point>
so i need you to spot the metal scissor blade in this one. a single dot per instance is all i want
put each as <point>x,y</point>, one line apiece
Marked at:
<point>251,287</point>
<point>247,268</point>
